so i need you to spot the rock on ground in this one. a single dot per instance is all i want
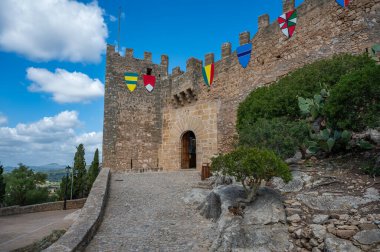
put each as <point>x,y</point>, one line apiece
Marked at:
<point>320,218</point>
<point>263,227</point>
<point>338,202</point>
<point>333,244</point>
<point>211,207</point>
<point>318,231</point>
<point>196,196</point>
<point>295,185</point>
<point>368,237</point>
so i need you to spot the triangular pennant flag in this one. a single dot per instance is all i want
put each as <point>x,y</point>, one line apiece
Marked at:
<point>131,80</point>
<point>287,22</point>
<point>244,54</point>
<point>149,82</point>
<point>208,74</point>
<point>343,3</point>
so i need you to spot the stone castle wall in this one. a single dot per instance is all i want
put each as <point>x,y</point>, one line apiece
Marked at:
<point>182,102</point>
<point>132,121</point>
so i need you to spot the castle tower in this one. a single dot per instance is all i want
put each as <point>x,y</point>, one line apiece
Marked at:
<point>132,120</point>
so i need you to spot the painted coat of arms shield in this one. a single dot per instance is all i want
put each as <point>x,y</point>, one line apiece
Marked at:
<point>149,82</point>
<point>244,54</point>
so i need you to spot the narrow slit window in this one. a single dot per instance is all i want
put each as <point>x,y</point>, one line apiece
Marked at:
<point>149,71</point>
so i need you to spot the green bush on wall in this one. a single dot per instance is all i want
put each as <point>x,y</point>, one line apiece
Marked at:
<point>354,102</point>
<point>280,99</point>
<point>270,116</point>
<point>282,136</point>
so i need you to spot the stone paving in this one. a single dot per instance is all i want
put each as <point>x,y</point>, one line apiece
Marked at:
<point>146,212</point>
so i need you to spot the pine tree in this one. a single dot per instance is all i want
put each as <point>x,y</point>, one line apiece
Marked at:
<point>2,186</point>
<point>80,173</point>
<point>94,170</point>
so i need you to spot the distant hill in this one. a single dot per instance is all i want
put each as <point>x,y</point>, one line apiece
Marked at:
<point>48,167</point>
<point>54,171</point>
<point>8,169</point>
<point>38,168</point>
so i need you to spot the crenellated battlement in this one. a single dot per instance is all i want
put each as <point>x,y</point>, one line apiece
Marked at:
<point>288,5</point>
<point>144,129</point>
<point>162,67</point>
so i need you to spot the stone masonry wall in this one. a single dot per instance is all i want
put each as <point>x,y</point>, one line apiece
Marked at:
<point>132,121</point>
<point>182,102</point>
<point>201,118</point>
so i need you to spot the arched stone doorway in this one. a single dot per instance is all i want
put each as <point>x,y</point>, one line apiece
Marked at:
<point>188,151</point>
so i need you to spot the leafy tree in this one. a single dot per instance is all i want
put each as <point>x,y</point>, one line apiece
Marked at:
<point>80,173</point>
<point>22,187</point>
<point>250,166</point>
<point>94,170</point>
<point>2,186</point>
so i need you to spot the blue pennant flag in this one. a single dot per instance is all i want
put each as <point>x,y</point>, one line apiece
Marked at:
<point>343,3</point>
<point>244,54</point>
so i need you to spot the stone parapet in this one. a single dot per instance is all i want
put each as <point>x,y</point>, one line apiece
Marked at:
<point>49,206</point>
<point>84,228</point>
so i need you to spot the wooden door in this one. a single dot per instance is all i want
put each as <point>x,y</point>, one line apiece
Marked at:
<point>185,163</point>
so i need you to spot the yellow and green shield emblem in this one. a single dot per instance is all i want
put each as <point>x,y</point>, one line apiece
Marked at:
<point>131,80</point>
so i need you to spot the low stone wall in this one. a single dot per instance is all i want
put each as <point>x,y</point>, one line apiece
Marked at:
<point>50,206</point>
<point>84,228</point>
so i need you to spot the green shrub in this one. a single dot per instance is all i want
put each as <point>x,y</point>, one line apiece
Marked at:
<point>37,196</point>
<point>282,136</point>
<point>371,167</point>
<point>354,102</point>
<point>280,99</point>
<point>250,166</point>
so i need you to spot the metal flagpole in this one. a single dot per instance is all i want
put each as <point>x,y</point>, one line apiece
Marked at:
<point>72,181</point>
<point>118,33</point>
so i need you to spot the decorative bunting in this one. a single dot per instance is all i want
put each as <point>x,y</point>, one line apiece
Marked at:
<point>244,54</point>
<point>149,82</point>
<point>288,22</point>
<point>208,74</point>
<point>343,3</point>
<point>131,80</point>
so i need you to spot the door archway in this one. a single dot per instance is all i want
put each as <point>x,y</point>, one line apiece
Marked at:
<point>188,151</point>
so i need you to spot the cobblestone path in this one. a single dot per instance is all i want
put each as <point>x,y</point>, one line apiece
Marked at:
<point>145,212</point>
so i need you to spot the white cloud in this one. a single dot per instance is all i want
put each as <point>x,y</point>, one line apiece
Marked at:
<point>53,30</point>
<point>65,87</point>
<point>113,18</point>
<point>49,140</point>
<point>3,119</point>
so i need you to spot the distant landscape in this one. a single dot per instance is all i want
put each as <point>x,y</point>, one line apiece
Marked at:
<point>54,171</point>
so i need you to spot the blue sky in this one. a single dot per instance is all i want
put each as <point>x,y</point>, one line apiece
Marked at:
<point>52,62</point>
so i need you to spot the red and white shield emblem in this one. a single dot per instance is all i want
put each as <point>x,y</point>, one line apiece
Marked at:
<point>149,82</point>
